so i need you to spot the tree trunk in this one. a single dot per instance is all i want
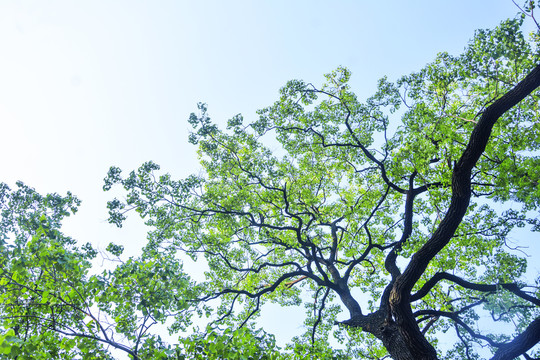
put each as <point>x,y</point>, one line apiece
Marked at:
<point>401,348</point>
<point>395,339</point>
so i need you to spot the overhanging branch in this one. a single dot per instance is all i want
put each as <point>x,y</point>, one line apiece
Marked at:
<point>512,287</point>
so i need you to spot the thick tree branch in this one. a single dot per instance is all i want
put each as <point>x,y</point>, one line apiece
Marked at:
<point>461,192</point>
<point>514,288</point>
<point>522,343</point>
<point>461,182</point>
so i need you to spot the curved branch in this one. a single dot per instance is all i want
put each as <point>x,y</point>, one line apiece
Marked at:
<point>454,316</point>
<point>522,343</point>
<point>267,289</point>
<point>512,287</point>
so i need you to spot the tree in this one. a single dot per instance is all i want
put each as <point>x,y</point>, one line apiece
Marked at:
<point>399,209</point>
<point>52,306</point>
<point>349,206</point>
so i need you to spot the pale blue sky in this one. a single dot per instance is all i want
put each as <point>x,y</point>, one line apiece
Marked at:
<point>86,85</point>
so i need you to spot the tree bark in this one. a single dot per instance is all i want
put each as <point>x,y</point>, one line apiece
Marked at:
<point>522,343</point>
<point>388,332</point>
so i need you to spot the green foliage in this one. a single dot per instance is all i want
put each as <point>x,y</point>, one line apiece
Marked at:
<point>322,195</point>
<point>52,306</point>
<point>241,344</point>
<point>311,195</point>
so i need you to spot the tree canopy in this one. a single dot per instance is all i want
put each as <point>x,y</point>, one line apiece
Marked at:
<point>399,209</point>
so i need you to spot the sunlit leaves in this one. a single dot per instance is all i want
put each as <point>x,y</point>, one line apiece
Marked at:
<point>238,344</point>
<point>326,191</point>
<point>53,306</point>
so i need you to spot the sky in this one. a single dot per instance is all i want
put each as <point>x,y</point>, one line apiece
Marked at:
<point>85,85</point>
